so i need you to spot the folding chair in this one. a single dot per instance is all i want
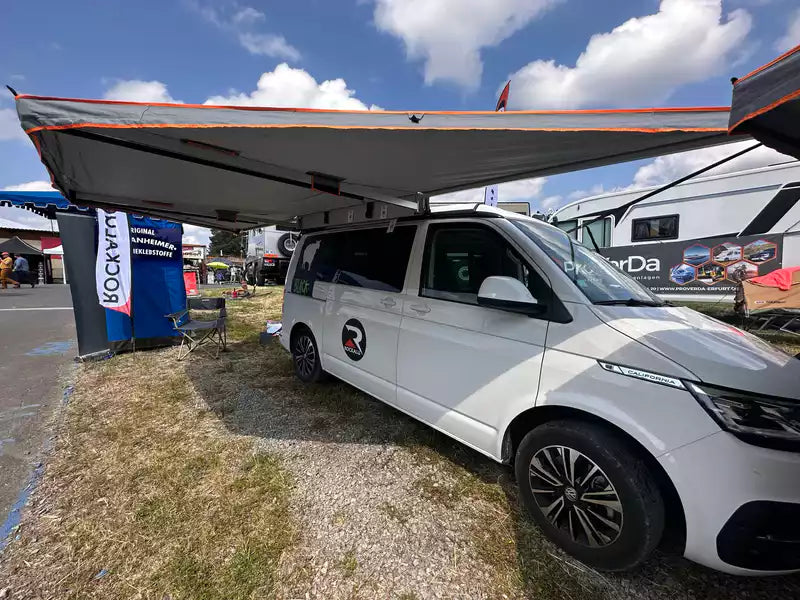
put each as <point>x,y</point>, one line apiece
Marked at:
<point>197,333</point>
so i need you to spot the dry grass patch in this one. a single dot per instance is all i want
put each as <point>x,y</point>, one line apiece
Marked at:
<point>148,496</point>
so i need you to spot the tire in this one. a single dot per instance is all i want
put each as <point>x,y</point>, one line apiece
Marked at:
<point>305,357</point>
<point>601,536</point>
<point>286,244</point>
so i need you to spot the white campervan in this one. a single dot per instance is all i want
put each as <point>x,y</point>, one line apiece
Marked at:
<point>623,416</point>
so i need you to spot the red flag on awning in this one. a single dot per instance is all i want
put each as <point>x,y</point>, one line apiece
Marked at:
<point>502,101</point>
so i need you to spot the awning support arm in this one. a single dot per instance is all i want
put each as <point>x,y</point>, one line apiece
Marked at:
<point>663,188</point>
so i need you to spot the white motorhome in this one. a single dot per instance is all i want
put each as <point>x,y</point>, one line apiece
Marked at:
<point>268,252</point>
<point>624,417</point>
<point>754,202</point>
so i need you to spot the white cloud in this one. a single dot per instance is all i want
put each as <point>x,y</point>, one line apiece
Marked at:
<point>792,36</point>
<point>192,234</point>
<point>551,202</point>
<point>640,62</point>
<point>671,167</point>
<point>134,90</point>
<point>286,86</point>
<point>242,22</point>
<point>450,34</point>
<point>522,190</point>
<point>9,125</point>
<point>268,44</point>
<point>30,186</point>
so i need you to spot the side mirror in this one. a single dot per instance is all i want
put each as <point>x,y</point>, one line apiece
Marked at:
<point>507,293</point>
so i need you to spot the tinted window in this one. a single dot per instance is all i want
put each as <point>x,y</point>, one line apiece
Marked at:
<point>655,228</point>
<point>458,259</point>
<point>375,259</point>
<point>370,258</point>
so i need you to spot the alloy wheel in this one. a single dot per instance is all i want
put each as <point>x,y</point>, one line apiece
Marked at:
<point>305,357</point>
<point>576,496</point>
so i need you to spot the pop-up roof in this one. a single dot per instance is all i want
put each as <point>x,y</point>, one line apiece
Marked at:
<point>238,167</point>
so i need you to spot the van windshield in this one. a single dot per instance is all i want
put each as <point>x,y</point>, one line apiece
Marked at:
<point>596,277</point>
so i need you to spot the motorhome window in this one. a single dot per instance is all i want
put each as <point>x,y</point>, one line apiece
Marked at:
<point>596,277</point>
<point>655,228</point>
<point>458,258</point>
<point>374,258</point>
<point>601,231</point>
<point>571,227</point>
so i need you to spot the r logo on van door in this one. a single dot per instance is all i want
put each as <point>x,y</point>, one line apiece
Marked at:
<point>354,339</point>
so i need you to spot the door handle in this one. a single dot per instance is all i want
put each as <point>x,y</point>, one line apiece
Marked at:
<point>388,302</point>
<point>420,308</point>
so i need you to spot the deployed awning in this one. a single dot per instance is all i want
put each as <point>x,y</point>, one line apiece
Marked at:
<point>766,104</point>
<point>17,246</point>
<point>238,167</point>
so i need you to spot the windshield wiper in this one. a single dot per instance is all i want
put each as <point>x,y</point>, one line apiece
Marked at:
<point>629,302</point>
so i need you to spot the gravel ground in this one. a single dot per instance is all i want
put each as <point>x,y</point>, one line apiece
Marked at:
<point>388,508</point>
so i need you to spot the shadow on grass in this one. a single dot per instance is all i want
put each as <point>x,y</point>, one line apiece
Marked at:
<point>254,392</point>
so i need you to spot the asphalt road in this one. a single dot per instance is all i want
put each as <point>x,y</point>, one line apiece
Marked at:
<point>37,343</point>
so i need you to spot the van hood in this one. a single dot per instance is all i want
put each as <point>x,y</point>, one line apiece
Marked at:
<point>715,352</point>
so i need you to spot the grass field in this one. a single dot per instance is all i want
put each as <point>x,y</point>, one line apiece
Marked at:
<point>181,480</point>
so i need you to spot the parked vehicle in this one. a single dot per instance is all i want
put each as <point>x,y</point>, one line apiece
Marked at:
<point>752,202</point>
<point>622,416</point>
<point>268,252</point>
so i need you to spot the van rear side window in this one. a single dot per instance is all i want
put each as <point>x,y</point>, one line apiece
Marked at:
<point>369,258</point>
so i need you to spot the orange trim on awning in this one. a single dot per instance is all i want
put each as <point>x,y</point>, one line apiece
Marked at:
<point>769,64</point>
<point>399,112</point>
<point>764,109</point>
<point>377,127</point>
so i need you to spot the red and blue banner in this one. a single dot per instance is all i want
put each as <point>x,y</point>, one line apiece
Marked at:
<point>157,286</point>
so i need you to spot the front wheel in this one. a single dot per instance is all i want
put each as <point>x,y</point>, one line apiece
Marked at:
<point>305,356</point>
<point>590,493</point>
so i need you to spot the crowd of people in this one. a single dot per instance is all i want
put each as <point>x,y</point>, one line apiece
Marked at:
<point>14,271</point>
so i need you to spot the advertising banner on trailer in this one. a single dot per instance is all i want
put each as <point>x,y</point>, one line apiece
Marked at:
<point>703,266</point>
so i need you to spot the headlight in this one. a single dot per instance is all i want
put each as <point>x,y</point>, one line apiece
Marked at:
<point>756,419</point>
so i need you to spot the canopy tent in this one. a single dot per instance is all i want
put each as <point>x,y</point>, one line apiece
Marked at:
<point>766,104</point>
<point>239,167</point>
<point>18,246</point>
<point>55,250</point>
<point>41,203</point>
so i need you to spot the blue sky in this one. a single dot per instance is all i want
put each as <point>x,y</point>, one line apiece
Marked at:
<point>396,54</point>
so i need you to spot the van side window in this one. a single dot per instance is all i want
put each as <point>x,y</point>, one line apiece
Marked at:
<point>374,258</point>
<point>655,228</point>
<point>317,262</point>
<point>459,257</point>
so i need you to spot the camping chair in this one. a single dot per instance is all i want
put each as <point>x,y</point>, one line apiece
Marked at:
<point>198,333</point>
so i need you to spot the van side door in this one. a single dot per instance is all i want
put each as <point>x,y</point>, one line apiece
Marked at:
<point>364,307</point>
<point>461,367</point>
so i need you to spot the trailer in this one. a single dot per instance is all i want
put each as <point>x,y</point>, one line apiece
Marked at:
<point>697,239</point>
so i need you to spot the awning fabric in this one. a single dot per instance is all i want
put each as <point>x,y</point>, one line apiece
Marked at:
<point>766,104</point>
<point>42,203</point>
<point>18,246</point>
<point>238,167</point>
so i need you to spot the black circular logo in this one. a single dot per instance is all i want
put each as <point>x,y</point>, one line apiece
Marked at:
<point>354,339</point>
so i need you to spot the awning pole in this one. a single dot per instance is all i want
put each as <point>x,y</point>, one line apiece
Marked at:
<point>664,188</point>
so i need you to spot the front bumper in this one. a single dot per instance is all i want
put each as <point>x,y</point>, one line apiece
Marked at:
<point>741,503</point>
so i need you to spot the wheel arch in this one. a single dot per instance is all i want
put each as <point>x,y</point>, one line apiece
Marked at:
<point>675,532</point>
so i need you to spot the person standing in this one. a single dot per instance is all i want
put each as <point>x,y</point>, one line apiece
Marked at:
<point>6,266</point>
<point>22,271</point>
